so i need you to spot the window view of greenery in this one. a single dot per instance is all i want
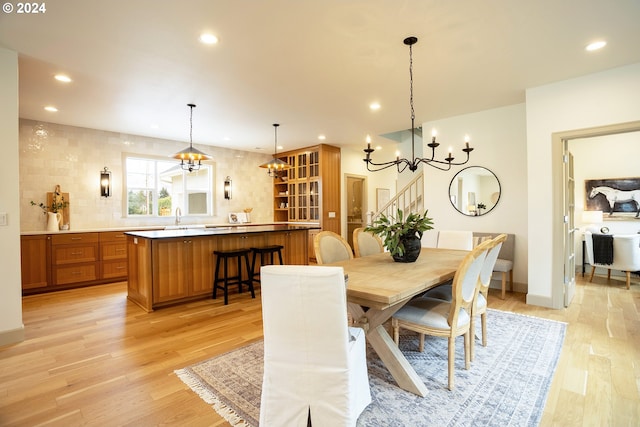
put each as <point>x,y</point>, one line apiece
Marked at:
<point>157,187</point>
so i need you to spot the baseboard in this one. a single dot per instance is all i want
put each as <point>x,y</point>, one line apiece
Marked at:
<point>13,336</point>
<point>540,301</point>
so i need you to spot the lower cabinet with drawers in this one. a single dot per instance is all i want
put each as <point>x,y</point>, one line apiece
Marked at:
<point>66,260</point>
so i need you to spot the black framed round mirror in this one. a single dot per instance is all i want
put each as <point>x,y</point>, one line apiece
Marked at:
<point>474,191</point>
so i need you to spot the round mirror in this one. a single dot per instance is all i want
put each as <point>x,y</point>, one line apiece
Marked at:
<point>474,191</point>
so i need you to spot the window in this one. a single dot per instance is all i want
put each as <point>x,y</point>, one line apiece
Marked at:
<point>157,187</point>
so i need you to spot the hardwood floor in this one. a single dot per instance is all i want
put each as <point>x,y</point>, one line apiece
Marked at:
<point>91,358</point>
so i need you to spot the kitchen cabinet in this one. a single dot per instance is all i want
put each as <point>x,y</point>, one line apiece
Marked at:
<point>173,266</point>
<point>66,260</point>
<point>35,255</point>
<point>74,258</point>
<point>295,249</point>
<point>310,190</point>
<point>113,255</point>
<point>182,268</point>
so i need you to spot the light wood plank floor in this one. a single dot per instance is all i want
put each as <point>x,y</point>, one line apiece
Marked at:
<point>91,358</point>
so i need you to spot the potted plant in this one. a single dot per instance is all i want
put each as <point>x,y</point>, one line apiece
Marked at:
<point>401,236</point>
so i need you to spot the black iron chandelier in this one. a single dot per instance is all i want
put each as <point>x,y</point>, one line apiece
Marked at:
<point>275,165</point>
<point>191,158</point>
<point>413,164</point>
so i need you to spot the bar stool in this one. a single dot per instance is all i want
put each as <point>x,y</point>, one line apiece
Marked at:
<point>263,252</point>
<point>226,280</point>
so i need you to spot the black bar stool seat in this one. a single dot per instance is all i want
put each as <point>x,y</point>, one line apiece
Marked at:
<point>225,281</point>
<point>264,251</point>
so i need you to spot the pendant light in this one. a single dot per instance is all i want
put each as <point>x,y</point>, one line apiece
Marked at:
<point>190,158</point>
<point>275,165</point>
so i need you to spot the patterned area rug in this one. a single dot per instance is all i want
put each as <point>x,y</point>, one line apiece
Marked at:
<point>507,384</point>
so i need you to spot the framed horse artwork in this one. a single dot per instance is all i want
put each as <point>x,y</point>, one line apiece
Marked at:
<point>617,196</point>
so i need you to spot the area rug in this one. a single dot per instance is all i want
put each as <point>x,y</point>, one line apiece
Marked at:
<point>507,384</point>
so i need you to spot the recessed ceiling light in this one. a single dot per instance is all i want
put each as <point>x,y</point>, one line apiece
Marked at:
<point>62,78</point>
<point>322,137</point>
<point>596,45</point>
<point>208,38</point>
<point>378,147</point>
<point>280,147</point>
<point>374,106</point>
<point>51,108</point>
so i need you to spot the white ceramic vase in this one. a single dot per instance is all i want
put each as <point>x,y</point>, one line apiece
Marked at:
<point>53,221</point>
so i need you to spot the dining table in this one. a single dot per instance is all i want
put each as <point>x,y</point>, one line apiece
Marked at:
<point>377,287</point>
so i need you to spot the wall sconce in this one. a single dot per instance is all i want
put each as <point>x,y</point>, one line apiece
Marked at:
<point>227,188</point>
<point>105,182</point>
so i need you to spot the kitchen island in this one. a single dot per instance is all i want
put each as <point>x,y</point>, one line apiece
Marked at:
<point>167,267</point>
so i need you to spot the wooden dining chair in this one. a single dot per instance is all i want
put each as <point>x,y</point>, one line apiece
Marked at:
<point>450,319</point>
<point>366,243</point>
<point>481,302</point>
<point>331,247</point>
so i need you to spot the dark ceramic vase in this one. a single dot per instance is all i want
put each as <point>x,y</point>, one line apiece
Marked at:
<point>412,249</point>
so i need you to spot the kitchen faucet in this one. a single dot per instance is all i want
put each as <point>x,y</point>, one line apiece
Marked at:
<point>178,215</point>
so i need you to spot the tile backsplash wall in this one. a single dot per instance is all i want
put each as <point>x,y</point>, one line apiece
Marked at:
<point>72,157</point>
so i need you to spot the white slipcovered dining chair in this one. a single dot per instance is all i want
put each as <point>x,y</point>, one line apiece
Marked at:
<point>366,243</point>
<point>331,247</point>
<point>455,239</point>
<point>450,319</point>
<point>626,255</point>
<point>314,364</point>
<point>480,304</point>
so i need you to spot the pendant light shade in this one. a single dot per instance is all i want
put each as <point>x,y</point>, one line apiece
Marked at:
<point>191,158</point>
<point>275,165</point>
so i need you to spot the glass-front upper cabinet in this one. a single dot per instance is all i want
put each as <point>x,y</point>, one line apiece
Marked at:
<point>314,164</point>
<point>314,200</point>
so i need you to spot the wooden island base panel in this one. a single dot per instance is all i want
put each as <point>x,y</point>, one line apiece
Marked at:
<point>167,267</point>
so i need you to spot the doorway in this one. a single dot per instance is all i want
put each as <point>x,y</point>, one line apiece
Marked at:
<point>356,203</point>
<point>561,253</point>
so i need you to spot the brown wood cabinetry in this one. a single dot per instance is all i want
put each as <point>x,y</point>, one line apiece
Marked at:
<point>310,190</point>
<point>168,270</point>
<point>35,254</point>
<point>74,258</point>
<point>67,260</point>
<point>113,255</point>
<point>182,268</point>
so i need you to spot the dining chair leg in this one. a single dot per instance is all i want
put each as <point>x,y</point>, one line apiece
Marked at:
<point>452,356</point>
<point>421,343</point>
<point>467,350</point>
<point>504,282</point>
<point>472,338</point>
<point>593,270</point>
<point>609,274</point>
<point>396,331</point>
<point>628,280</point>
<point>483,320</point>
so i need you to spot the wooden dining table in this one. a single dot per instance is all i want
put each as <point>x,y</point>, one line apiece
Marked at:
<point>377,287</point>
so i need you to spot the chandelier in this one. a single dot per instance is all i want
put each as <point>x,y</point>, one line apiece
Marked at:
<point>275,165</point>
<point>190,158</point>
<point>413,164</point>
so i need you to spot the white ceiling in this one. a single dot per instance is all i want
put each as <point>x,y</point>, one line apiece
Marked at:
<point>312,66</point>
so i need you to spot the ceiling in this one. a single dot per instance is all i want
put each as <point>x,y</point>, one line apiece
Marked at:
<point>312,66</point>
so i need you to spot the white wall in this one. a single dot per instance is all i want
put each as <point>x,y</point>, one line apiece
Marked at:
<point>598,99</point>
<point>352,164</point>
<point>52,154</point>
<point>11,327</point>
<point>499,140</point>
